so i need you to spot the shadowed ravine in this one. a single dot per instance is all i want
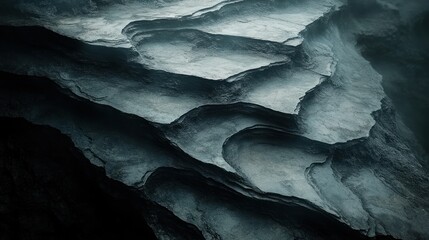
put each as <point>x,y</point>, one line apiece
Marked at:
<point>235,119</point>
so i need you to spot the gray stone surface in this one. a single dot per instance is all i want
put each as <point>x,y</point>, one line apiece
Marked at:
<point>243,119</point>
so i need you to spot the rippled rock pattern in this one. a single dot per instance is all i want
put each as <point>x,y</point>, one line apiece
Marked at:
<point>237,119</point>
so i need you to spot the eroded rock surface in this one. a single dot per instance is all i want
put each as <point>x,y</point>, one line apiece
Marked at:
<point>238,119</point>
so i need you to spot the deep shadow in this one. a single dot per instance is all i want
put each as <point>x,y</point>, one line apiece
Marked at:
<point>48,190</point>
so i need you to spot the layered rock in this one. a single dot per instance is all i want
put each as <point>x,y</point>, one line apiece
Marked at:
<point>236,119</point>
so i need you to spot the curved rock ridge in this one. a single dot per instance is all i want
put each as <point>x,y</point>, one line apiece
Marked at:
<point>276,162</point>
<point>218,216</point>
<point>89,126</point>
<point>136,151</point>
<point>204,55</point>
<point>100,22</point>
<point>339,110</point>
<point>147,148</point>
<point>206,45</point>
<point>194,132</point>
<point>86,70</point>
<point>276,21</point>
<point>237,119</point>
<point>379,161</point>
